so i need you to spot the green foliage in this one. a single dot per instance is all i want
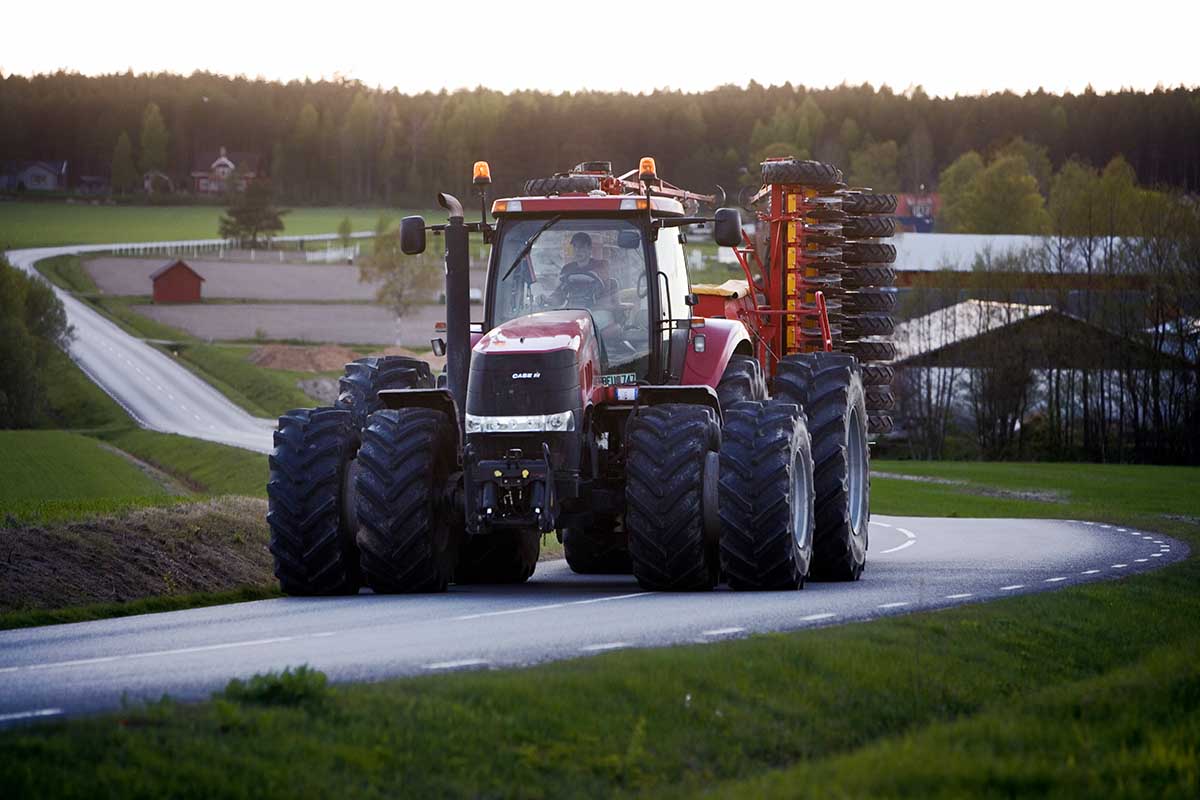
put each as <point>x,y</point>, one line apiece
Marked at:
<point>251,214</point>
<point>345,229</point>
<point>303,686</point>
<point>404,280</point>
<point>50,224</point>
<point>1036,159</point>
<point>67,272</point>
<point>261,391</point>
<point>204,466</point>
<point>124,174</point>
<point>875,166</point>
<point>33,324</point>
<point>153,140</point>
<point>1001,197</point>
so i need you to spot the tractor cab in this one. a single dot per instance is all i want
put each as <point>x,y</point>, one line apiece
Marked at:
<point>608,256</point>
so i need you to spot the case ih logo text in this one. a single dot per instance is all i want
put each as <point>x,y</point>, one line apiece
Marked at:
<point>526,375</point>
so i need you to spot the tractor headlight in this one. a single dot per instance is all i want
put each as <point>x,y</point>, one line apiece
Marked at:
<point>522,423</point>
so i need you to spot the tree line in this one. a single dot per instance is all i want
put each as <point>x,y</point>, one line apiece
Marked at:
<point>343,142</point>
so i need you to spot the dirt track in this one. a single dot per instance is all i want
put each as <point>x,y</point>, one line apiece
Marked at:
<point>346,324</point>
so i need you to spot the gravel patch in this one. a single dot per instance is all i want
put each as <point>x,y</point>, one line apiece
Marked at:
<point>252,280</point>
<point>343,324</point>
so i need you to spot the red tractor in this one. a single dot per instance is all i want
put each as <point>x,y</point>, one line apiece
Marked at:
<point>682,433</point>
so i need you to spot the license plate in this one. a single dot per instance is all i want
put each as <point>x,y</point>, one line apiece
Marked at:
<point>618,378</point>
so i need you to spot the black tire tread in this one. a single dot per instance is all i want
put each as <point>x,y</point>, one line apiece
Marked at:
<point>869,299</point>
<point>868,275</point>
<point>742,380</point>
<point>869,253</point>
<point>313,550</point>
<point>503,557</point>
<point>863,203</point>
<point>364,378</point>
<point>801,172</point>
<point>599,551</point>
<point>828,385</point>
<point>561,184</point>
<point>871,323</point>
<point>868,227</point>
<point>667,445</point>
<point>758,548</point>
<point>404,455</point>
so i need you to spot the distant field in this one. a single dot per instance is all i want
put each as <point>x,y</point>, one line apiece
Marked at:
<point>47,224</point>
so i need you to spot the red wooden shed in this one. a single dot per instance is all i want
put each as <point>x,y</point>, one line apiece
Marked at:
<point>176,282</point>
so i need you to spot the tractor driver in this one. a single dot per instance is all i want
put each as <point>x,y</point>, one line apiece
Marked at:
<point>584,264</point>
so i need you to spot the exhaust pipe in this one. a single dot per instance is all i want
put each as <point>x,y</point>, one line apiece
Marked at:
<point>458,303</point>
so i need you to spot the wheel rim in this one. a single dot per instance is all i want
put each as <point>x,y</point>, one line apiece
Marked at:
<point>856,455</point>
<point>800,501</point>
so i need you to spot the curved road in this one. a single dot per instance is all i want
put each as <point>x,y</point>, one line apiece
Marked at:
<point>915,564</point>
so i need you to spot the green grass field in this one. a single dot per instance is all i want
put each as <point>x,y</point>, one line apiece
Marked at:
<point>1088,691</point>
<point>48,475</point>
<point>48,224</point>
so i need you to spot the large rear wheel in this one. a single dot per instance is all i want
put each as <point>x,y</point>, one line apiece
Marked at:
<point>742,380</point>
<point>310,508</point>
<point>829,387</point>
<point>408,535</point>
<point>766,496</point>
<point>667,464</point>
<point>364,378</point>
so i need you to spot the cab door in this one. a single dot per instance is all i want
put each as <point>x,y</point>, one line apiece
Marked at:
<point>673,311</point>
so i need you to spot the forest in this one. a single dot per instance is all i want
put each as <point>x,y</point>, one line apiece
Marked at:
<point>343,142</point>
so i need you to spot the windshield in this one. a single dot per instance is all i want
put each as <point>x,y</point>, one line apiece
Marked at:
<point>598,265</point>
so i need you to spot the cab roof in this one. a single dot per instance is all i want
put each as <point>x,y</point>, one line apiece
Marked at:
<point>587,203</point>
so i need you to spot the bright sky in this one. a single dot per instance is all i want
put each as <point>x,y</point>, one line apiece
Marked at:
<point>948,47</point>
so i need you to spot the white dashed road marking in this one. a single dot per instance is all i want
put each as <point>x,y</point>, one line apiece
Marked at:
<point>815,617</point>
<point>1011,588</point>
<point>548,606</point>
<point>962,596</point>
<point>722,632</point>
<point>159,653</point>
<point>596,648</point>
<point>892,605</point>
<point>1119,566</point>
<point>465,662</point>
<point>37,712</point>
<point>1089,572</point>
<point>1053,580</point>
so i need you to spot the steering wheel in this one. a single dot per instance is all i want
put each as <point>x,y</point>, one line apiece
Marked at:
<point>578,283</point>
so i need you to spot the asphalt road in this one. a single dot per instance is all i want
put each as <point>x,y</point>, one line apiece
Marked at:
<point>158,393</point>
<point>915,564</point>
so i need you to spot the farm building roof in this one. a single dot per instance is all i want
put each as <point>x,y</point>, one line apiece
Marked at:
<point>165,268</point>
<point>983,333</point>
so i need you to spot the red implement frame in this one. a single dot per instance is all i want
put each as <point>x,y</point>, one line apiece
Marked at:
<point>786,294</point>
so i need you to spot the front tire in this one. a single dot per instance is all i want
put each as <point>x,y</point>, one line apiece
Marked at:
<point>312,530</point>
<point>665,466</point>
<point>829,387</point>
<point>742,380</point>
<point>600,550</point>
<point>408,535</point>
<point>766,496</point>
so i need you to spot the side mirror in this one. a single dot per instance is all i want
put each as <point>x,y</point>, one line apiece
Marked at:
<point>727,227</point>
<point>691,299</point>
<point>412,235</point>
<point>629,240</point>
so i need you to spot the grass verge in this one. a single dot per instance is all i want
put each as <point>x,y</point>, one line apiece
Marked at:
<point>1089,690</point>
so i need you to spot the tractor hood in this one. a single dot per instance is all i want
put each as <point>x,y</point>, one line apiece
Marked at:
<point>538,364</point>
<point>543,332</point>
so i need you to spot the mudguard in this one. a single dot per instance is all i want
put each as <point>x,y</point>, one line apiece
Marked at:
<point>722,338</point>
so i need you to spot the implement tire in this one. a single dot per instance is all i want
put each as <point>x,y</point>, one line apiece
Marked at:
<point>598,551</point>
<point>829,387</point>
<point>766,496</point>
<point>868,253</point>
<point>561,184</point>
<point>359,387</point>
<point>498,557</point>
<point>407,535</point>
<point>806,173</point>
<point>877,374</point>
<point>861,203</point>
<point>868,275</point>
<point>869,299</point>
<point>668,447</point>
<point>312,526</point>
<point>868,227</point>
<point>858,326</point>
<point>742,380</point>
<point>866,351</point>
